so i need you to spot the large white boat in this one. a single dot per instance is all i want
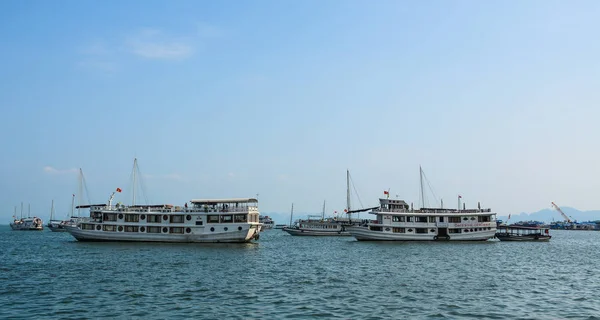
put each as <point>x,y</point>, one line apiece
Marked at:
<point>26,224</point>
<point>209,220</point>
<point>397,222</point>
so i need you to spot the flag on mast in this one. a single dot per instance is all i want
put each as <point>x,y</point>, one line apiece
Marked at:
<point>119,190</point>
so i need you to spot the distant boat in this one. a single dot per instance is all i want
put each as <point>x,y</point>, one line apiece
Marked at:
<point>397,222</point>
<point>267,222</point>
<point>522,233</point>
<point>55,225</point>
<point>26,224</point>
<point>320,226</point>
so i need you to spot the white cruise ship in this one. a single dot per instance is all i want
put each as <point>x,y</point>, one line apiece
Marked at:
<point>208,220</point>
<point>395,221</point>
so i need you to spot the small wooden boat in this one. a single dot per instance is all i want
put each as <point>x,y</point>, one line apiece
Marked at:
<point>521,233</point>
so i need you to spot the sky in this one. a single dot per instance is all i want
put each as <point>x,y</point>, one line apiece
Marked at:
<point>497,101</point>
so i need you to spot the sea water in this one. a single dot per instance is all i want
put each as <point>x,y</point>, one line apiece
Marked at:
<point>46,275</point>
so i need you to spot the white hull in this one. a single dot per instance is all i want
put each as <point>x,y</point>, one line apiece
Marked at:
<point>364,234</point>
<point>93,235</point>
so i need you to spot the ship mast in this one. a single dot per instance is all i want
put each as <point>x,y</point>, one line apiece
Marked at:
<point>323,214</point>
<point>80,192</point>
<point>422,193</point>
<point>134,167</point>
<point>52,210</point>
<point>72,205</point>
<point>291,215</point>
<point>348,193</point>
<point>21,210</point>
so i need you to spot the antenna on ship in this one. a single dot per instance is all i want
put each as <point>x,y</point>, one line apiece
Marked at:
<point>21,210</point>
<point>323,214</point>
<point>72,204</point>
<point>291,214</point>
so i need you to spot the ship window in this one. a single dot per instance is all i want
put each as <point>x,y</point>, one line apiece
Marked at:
<point>483,219</point>
<point>213,219</point>
<point>398,230</point>
<point>87,226</point>
<point>199,223</point>
<point>131,228</point>
<point>422,219</point>
<point>132,218</point>
<point>176,229</point>
<point>441,219</point>
<point>454,219</point>
<point>432,219</point>
<point>110,217</point>
<point>153,230</point>
<point>410,219</point>
<point>154,218</point>
<point>454,230</point>
<point>421,230</point>
<point>227,219</point>
<point>398,219</point>
<point>109,227</point>
<point>177,218</point>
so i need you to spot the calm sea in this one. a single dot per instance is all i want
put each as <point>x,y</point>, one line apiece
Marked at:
<point>46,275</point>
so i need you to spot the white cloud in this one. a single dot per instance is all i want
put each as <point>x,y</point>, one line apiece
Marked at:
<point>52,170</point>
<point>154,44</point>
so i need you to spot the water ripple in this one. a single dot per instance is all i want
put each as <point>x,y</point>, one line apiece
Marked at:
<point>287,277</point>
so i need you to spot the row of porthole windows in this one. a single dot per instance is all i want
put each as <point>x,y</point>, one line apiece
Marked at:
<point>174,218</point>
<point>477,229</point>
<point>143,229</point>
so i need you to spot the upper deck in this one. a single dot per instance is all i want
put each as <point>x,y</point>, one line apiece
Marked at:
<point>400,207</point>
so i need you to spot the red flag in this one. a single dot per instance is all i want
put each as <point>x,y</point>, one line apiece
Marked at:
<point>385,192</point>
<point>345,210</point>
<point>119,190</point>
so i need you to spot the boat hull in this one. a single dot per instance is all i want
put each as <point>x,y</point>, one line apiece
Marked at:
<point>303,232</point>
<point>364,234</point>
<point>228,237</point>
<point>504,237</point>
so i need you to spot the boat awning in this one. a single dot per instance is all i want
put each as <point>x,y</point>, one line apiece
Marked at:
<point>84,206</point>
<point>362,210</point>
<point>217,201</point>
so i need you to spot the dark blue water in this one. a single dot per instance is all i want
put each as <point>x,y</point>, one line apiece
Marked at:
<point>45,275</point>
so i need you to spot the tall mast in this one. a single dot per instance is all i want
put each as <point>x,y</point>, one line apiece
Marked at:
<point>80,192</point>
<point>422,194</point>
<point>134,167</point>
<point>291,214</point>
<point>323,214</point>
<point>72,204</point>
<point>348,191</point>
<point>21,210</point>
<point>52,210</point>
<point>29,210</point>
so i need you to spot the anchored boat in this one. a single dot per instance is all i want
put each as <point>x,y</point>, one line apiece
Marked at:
<point>208,220</point>
<point>522,233</point>
<point>396,221</point>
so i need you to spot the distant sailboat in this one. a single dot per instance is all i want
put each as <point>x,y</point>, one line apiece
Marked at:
<point>55,225</point>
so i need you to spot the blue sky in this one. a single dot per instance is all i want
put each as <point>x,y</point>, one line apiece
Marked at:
<point>497,100</point>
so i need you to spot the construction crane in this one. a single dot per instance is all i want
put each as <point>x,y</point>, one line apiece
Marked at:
<point>561,212</point>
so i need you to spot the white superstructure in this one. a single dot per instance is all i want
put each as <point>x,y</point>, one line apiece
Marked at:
<point>206,220</point>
